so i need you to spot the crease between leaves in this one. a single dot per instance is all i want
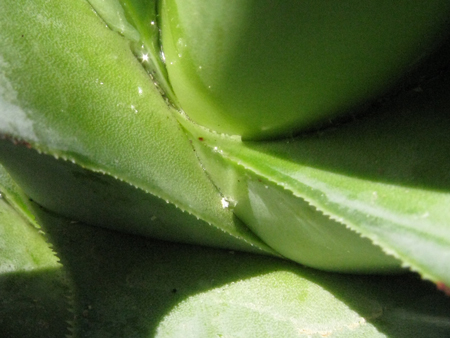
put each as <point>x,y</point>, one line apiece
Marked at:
<point>133,136</point>
<point>354,200</point>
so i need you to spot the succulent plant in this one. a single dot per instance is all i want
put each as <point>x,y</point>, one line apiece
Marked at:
<point>186,168</point>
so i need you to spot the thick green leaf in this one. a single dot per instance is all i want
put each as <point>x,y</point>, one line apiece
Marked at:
<point>385,176</point>
<point>102,200</point>
<point>268,68</point>
<point>137,20</point>
<point>129,286</point>
<point>71,87</point>
<point>33,284</point>
<point>289,224</point>
<point>97,107</point>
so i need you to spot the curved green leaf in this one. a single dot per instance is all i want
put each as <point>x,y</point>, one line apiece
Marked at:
<point>265,69</point>
<point>126,129</point>
<point>102,200</point>
<point>72,88</point>
<point>33,284</point>
<point>385,176</point>
<point>289,224</point>
<point>137,20</point>
<point>128,286</point>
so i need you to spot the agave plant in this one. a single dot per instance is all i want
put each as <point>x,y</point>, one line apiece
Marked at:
<point>189,168</point>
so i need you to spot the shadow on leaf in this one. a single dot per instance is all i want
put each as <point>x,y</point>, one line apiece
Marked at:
<point>128,286</point>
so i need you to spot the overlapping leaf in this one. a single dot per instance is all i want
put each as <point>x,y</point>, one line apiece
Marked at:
<point>34,288</point>
<point>71,87</point>
<point>129,286</point>
<point>385,175</point>
<point>126,129</point>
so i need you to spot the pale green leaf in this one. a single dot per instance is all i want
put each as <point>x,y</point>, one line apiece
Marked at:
<point>128,286</point>
<point>385,176</point>
<point>71,87</point>
<point>102,200</point>
<point>33,285</point>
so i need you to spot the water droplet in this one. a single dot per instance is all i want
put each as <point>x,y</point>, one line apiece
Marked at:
<point>225,203</point>
<point>180,46</point>
<point>133,108</point>
<point>140,90</point>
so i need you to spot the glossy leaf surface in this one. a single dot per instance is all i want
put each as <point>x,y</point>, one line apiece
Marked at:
<point>96,106</point>
<point>136,287</point>
<point>385,176</point>
<point>261,68</point>
<point>72,88</point>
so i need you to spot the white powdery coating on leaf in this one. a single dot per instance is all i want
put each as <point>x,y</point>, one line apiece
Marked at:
<point>13,119</point>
